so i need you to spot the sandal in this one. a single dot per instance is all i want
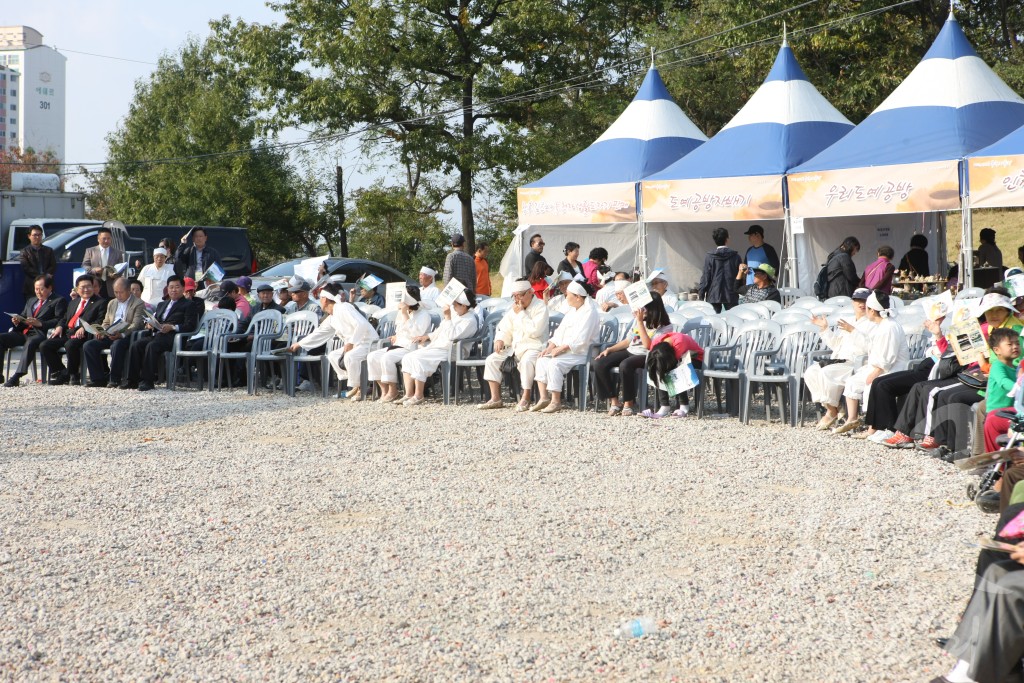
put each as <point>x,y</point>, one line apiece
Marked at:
<point>614,410</point>
<point>627,412</point>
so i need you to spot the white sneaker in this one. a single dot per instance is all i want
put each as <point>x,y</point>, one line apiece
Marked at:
<point>881,435</point>
<point>306,385</point>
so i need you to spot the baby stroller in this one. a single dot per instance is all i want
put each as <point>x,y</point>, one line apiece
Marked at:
<point>982,493</point>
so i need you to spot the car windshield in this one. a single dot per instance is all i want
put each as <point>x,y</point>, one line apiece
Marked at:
<point>286,269</point>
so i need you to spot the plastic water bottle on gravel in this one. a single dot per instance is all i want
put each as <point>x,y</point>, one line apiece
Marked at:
<point>637,628</point>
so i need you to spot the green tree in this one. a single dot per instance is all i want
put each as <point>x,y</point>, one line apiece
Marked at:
<point>195,111</point>
<point>389,225</point>
<point>437,84</point>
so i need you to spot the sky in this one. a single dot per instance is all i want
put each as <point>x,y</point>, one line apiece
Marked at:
<point>100,89</point>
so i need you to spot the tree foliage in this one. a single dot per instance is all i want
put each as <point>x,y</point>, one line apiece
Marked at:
<point>196,111</point>
<point>14,160</point>
<point>431,81</point>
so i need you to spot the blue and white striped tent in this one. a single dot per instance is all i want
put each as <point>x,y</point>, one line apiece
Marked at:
<point>592,198</point>
<point>739,174</point>
<point>904,159</point>
<point>786,122</point>
<point>950,105</point>
<point>650,134</point>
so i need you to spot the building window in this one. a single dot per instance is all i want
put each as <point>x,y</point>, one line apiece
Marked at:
<point>14,134</point>
<point>13,122</point>
<point>14,93</point>
<point>14,107</point>
<point>14,59</point>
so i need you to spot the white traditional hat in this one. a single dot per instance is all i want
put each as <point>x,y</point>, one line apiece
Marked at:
<point>462,298</point>
<point>577,289</point>
<point>159,251</point>
<point>564,276</point>
<point>621,285</point>
<point>429,272</point>
<point>521,286</point>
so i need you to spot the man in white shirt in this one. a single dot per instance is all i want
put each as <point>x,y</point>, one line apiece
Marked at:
<point>428,292</point>
<point>658,282</point>
<point>522,332</point>
<point>566,349</point>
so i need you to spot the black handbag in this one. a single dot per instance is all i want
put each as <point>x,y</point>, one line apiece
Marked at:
<point>949,366</point>
<point>975,379</point>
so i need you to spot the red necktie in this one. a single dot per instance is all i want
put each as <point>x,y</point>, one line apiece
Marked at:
<point>74,319</point>
<point>29,328</point>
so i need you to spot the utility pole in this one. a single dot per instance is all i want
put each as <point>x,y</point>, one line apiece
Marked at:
<point>340,190</point>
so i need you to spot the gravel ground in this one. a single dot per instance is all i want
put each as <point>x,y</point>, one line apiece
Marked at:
<point>226,537</point>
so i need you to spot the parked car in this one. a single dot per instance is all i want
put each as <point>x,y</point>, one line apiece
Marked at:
<point>352,269</point>
<point>69,247</point>
<point>232,244</point>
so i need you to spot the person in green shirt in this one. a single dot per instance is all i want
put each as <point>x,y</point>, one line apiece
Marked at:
<point>1005,356</point>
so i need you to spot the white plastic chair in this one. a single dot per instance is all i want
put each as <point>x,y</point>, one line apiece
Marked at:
<point>783,366</point>
<point>734,361</point>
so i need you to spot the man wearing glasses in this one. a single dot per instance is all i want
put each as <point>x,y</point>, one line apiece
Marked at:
<point>534,255</point>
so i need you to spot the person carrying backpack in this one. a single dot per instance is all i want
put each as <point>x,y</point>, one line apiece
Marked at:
<point>839,275</point>
<point>720,268</point>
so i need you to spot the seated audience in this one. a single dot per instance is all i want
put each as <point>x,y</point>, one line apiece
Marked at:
<point>175,314</point>
<point>42,313</point>
<point>459,322</point>
<point>521,335</point>
<point>629,356</point>
<point>71,334</point>
<point>411,322</point>
<point>123,308</point>
<point>566,349</point>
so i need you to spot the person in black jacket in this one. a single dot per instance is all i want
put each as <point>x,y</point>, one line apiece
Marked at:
<point>915,261</point>
<point>70,332</point>
<point>717,282</point>
<point>36,259</point>
<point>842,274</point>
<point>175,314</point>
<point>193,260</point>
<point>42,313</point>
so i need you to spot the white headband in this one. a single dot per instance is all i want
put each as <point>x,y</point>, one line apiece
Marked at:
<point>329,296</point>
<point>428,271</point>
<point>621,285</point>
<point>462,299</point>
<point>519,287</point>
<point>159,251</point>
<point>408,299</point>
<point>577,289</point>
<point>874,304</point>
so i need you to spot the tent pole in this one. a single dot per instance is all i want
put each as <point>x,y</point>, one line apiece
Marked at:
<point>966,239</point>
<point>642,245</point>
<point>789,247</point>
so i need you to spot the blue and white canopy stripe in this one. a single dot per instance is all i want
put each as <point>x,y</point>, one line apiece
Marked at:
<point>950,105</point>
<point>649,135</point>
<point>784,123</point>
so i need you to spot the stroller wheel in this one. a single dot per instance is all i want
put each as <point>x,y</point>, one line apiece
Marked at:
<point>972,491</point>
<point>988,502</point>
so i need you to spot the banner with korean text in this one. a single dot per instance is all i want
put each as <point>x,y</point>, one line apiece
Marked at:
<point>713,199</point>
<point>996,181</point>
<point>899,188</point>
<point>610,203</point>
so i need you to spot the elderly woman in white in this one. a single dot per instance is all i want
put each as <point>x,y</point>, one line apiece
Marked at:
<point>658,282</point>
<point>459,323</point>
<point>848,342</point>
<point>566,349</point>
<point>411,322</point>
<point>889,353</point>
<point>154,277</point>
<point>344,321</point>
<point>523,333</point>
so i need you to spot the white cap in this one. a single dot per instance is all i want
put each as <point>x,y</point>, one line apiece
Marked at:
<point>521,286</point>
<point>657,274</point>
<point>577,289</point>
<point>429,272</point>
<point>579,278</point>
<point>620,285</point>
<point>159,251</point>
<point>564,276</point>
<point>462,298</point>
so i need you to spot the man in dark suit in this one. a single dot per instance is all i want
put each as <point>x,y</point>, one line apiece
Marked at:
<point>41,314</point>
<point>36,259</point>
<point>193,260</point>
<point>70,333</point>
<point>175,315</point>
<point>101,259</point>
<point>123,308</point>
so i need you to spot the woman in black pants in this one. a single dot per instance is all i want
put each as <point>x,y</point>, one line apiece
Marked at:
<point>885,392</point>
<point>629,355</point>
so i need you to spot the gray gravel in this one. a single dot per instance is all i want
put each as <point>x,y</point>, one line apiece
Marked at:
<point>226,537</point>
